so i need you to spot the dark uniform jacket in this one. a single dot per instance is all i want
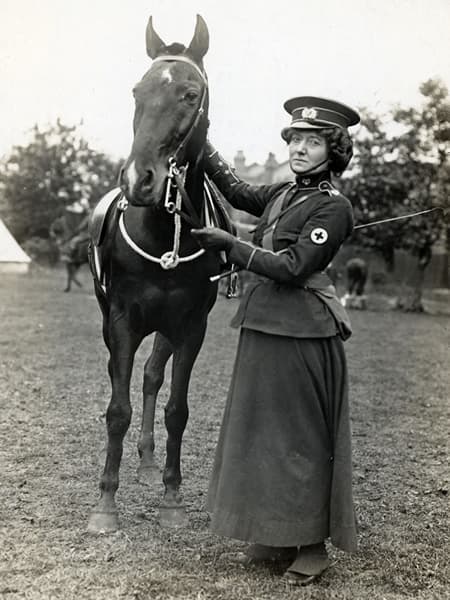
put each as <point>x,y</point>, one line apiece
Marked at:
<point>293,296</point>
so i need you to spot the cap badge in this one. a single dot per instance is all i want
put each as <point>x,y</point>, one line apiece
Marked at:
<point>319,235</point>
<point>309,113</point>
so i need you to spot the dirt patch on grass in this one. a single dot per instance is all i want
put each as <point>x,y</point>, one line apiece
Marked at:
<point>54,390</point>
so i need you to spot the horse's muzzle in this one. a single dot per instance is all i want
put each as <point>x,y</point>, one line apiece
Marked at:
<point>141,189</point>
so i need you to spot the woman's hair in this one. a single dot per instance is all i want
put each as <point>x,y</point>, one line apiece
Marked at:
<point>339,144</point>
<point>340,148</point>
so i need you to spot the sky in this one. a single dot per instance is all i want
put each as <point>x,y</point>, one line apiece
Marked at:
<point>79,60</point>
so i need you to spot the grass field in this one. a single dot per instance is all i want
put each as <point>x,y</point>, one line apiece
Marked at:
<point>53,393</point>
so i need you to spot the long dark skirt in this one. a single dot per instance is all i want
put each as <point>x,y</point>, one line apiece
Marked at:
<point>282,472</point>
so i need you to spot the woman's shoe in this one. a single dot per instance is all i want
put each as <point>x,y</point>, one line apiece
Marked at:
<point>310,563</point>
<point>298,579</point>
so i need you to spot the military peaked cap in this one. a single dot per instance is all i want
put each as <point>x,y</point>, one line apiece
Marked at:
<point>311,112</point>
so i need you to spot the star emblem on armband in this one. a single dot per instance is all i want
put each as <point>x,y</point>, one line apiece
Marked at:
<point>319,235</point>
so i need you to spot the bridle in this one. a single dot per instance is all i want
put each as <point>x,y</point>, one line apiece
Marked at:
<point>175,184</point>
<point>201,107</point>
<point>176,174</point>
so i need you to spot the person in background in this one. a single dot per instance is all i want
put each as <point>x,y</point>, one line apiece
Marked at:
<point>77,214</point>
<point>282,473</point>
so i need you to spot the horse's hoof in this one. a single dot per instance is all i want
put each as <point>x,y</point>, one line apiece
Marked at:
<point>173,516</point>
<point>150,476</point>
<point>103,522</point>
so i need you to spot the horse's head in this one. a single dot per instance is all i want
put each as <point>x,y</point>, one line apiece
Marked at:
<point>170,120</point>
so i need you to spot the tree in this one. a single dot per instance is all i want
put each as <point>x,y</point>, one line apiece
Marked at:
<point>57,168</point>
<point>424,145</point>
<point>404,174</point>
<point>376,189</point>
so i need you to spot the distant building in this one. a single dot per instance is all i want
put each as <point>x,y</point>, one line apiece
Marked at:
<point>256,174</point>
<point>270,172</point>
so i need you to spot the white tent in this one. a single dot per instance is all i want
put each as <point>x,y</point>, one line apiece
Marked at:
<point>12,258</point>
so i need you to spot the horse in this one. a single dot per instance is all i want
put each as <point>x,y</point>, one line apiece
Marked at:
<point>148,288</point>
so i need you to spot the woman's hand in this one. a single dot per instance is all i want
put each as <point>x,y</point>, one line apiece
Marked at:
<point>213,238</point>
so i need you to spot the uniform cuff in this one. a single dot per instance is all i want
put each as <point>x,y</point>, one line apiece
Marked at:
<point>241,254</point>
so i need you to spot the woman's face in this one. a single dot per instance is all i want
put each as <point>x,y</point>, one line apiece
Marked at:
<point>307,149</point>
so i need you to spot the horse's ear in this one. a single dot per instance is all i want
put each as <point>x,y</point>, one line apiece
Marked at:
<point>153,41</point>
<point>200,42</point>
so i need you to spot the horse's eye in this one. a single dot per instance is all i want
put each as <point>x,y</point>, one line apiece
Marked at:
<point>190,97</point>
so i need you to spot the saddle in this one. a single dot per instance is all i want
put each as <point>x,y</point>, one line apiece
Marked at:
<point>104,220</point>
<point>214,212</point>
<point>102,223</point>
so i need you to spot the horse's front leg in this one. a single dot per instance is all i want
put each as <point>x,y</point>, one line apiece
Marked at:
<point>122,343</point>
<point>148,471</point>
<point>71,276</point>
<point>172,511</point>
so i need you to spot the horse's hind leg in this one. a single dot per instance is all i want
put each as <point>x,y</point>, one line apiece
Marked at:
<point>122,345</point>
<point>172,511</point>
<point>75,269</point>
<point>148,471</point>
<point>69,278</point>
<point>361,284</point>
<point>77,281</point>
<point>351,284</point>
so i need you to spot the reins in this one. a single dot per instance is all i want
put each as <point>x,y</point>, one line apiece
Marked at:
<point>408,216</point>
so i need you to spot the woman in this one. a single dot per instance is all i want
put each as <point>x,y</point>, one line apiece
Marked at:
<point>282,472</point>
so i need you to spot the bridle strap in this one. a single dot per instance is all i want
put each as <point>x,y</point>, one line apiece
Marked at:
<point>193,127</point>
<point>173,165</point>
<point>180,58</point>
<point>186,200</point>
<point>201,108</point>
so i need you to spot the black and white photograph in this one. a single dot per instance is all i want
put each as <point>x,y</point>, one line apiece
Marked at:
<point>225,300</point>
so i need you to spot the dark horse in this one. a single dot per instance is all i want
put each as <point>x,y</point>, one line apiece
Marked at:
<point>357,271</point>
<point>156,275</point>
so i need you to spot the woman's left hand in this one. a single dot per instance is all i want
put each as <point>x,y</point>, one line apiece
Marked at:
<point>213,238</point>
